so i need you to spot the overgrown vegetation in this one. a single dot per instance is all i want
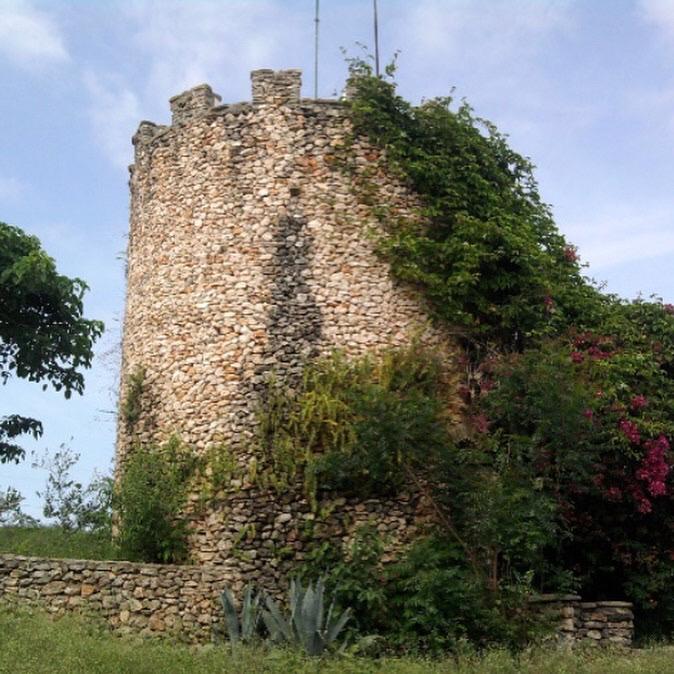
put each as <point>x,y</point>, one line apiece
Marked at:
<point>556,475</point>
<point>565,470</point>
<point>484,248</point>
<point>149,500</point>
<point>559,476</point>
<point>350,424</point>
<point>131,407</point>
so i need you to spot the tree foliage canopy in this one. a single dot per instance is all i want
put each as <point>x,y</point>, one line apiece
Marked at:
<point>43,334</point>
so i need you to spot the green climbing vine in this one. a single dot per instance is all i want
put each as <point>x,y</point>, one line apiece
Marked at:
<point>132,404</point>
<point>484,248</point>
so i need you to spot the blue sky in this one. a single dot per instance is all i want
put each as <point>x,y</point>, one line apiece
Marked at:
<point>586,89</point>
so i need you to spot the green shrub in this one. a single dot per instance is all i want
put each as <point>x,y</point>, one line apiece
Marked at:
<point>429,601</point>
<point>353,426</point>
<point>149,501</point>
<point>435,602</point>
<point>354,577</point>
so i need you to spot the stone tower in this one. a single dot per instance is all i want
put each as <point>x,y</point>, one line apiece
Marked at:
<point>250,252</point>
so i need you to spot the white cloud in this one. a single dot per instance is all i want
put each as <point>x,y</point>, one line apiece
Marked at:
<point>176,45</point>
<point>114,114</point>
<point>29,36</point>
<point>488,33</point>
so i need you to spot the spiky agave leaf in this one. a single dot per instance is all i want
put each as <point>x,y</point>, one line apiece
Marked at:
<point>309,621</point>
<point>280,630</point>
<point>333,630</point>
<point>250,614</point>
<point>231,617</point>
<point>307,627</point>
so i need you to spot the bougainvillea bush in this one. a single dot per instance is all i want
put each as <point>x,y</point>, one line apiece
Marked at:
<point>589,415</point>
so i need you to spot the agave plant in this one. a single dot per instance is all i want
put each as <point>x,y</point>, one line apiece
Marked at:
<point>245,628</point>
<point>308,626</point>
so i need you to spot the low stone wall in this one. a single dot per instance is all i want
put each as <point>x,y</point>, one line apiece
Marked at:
<point>183,601</point>
<point>606,623</point>
<point>145,599</point>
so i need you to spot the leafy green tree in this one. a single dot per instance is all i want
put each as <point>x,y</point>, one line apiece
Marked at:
<point>43,335</point>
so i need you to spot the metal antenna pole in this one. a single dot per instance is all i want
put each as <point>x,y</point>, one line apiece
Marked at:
<point>376,40</point>
<point>316,52</point>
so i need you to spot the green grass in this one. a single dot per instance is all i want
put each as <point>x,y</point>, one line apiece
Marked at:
<point>32,643</point>
<point>55,542</point>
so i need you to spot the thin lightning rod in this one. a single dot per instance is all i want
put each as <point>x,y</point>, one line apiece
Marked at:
<point>316,20</point>
<point>376,40</point>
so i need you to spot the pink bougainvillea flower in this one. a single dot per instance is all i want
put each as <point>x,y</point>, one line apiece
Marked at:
<point>630,430</point>
<point>597,354</point>
<point>644,506</point>
<point>638,403</point>
<point>654,467</point>
<point>614,493</point>
<point>576,357</point>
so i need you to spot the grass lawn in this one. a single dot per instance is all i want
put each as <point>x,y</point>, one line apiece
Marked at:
<point>32,643</point>
<point>54,542</point>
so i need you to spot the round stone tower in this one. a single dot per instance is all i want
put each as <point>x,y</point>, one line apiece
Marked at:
<point>249,253</point>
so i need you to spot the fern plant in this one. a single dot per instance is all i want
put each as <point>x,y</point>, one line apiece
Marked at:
<point>308,627</point>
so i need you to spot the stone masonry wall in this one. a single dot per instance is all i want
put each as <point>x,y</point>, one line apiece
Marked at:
<point>605,623</point>
<point>250,253</point>
<point>146,599</point>
<point>183,601</point>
